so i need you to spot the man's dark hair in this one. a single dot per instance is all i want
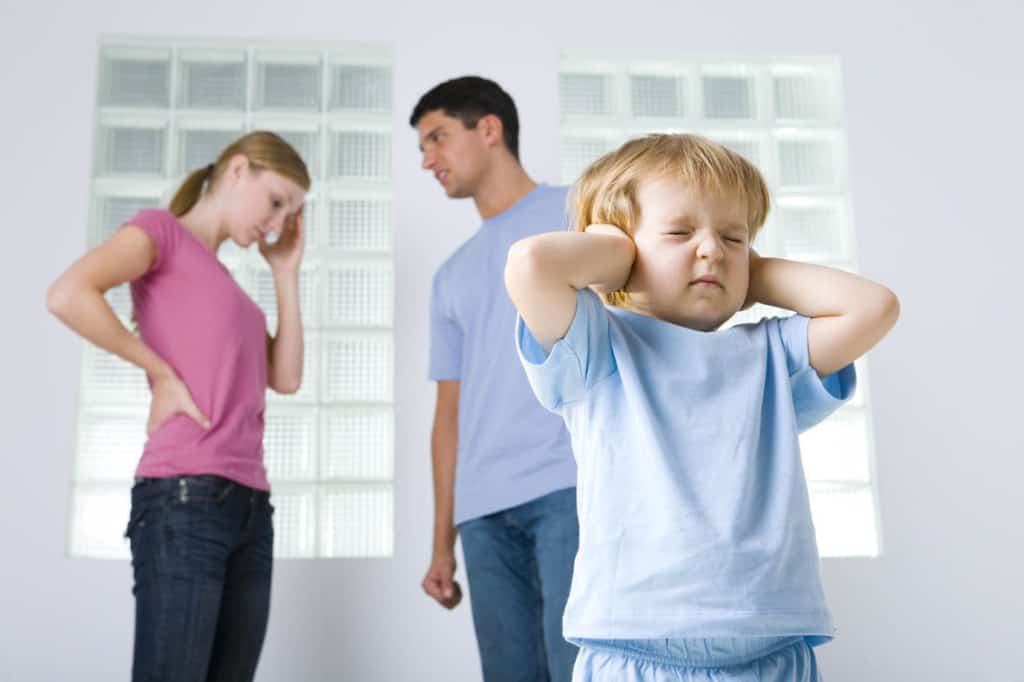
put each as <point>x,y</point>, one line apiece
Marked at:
<point>469,99</point>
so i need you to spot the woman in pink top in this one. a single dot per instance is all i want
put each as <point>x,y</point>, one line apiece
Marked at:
<point>200,526</point>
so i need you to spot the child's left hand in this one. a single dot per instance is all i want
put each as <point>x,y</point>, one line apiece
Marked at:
<point>285,254</point>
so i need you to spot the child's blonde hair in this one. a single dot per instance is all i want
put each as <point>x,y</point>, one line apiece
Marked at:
<point>606,192</point>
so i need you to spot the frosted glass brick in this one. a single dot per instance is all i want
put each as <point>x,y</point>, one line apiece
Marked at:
<point>200,148</point>
<point>98,520</point>
<point>357,521</point>
<point>294,520</point>
<point>288,85</point>
<point>358,367</point>
<point>137,81</point>
<point>803,97</point>
<point>812,233</point>
<point>657,96</point>
<point>805,163</point>
<point>844,518</point>
<point>109,444</point>
<point>109,379</point>
<point>126,150</point>
<point>362,154</point>
<point>728,97</point>
<point>580,152</point>
<point>838,449</point>
<point>115,212</point>
<point>290,442</point>
<point>213,81</point>
<point>360,294</point>
<point>358,443</point>
<point>359,225</point>
<point>361,88</point>
<point>585,93</point>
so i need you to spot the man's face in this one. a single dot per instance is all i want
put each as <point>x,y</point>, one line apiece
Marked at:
<point>693,254</point>
<point>456,155</point>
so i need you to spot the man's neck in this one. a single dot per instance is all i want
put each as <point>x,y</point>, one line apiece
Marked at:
<point>503,187</point>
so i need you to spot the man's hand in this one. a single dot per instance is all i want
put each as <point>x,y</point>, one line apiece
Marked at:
<point>440,582</point>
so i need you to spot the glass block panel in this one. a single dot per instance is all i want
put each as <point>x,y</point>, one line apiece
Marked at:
<point>98,521</point>
<point>357,521</point>
<point>294,520</point>
<point>290,442</point>
<point>138,82</point>
<point>128,150</point>
<point>213,83</point>
<point>585,93</point>
<point>309,391</point>
<point>362,154</point>
<point>844,518</point>
<point>265,295</point>
<point>288,86</point>
<point>360,294</point>
<point>109,444</point>
<point>115,212</point>
<point>838,449</point>
<point>806,163</point>
<point>728,97</point>
<point>813,233</point>
<point>580,152</point>
<point>358,443</point>
<point>358,367</point>
<point>657,96</point>
<point>109,379</point>
<point>199,148</point>
<point>803,98</point>
<point>361,88</point>
<point>359,225</point>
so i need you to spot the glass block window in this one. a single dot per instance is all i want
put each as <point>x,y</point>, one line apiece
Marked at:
<point>167,109</point>
<point>784,116</point>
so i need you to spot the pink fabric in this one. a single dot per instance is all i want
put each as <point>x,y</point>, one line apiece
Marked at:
<point>194,315</point>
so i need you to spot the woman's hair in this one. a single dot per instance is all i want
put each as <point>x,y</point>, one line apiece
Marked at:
<point>606,191</point>
<point>265,151</point>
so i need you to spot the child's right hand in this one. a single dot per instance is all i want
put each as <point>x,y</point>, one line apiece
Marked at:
<point>170,397</point>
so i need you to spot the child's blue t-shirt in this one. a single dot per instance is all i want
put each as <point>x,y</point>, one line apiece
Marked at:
<point>694,513</point>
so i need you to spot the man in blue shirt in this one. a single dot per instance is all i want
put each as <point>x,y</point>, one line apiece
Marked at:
<point>504,475</point>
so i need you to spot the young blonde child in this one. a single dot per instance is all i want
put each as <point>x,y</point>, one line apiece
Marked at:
<point>697,557</point>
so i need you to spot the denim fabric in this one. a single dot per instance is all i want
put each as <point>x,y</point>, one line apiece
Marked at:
<point>519,562</point>
<point>202,555</point>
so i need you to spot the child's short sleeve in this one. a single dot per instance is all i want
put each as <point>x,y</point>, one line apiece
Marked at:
<point>578,361</point>
<point>162,227</point>
<point>814,398</point>
<point>445,336</point>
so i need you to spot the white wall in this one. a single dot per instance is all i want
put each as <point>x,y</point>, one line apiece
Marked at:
<point>934,107</point>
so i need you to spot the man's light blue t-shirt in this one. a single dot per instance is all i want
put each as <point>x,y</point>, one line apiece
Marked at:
<point>694,514</point>
<point>511,450</point>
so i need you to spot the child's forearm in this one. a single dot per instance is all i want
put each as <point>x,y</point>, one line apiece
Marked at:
<point>601,258</point>
<point>850,313</point>
<point>544,272</point>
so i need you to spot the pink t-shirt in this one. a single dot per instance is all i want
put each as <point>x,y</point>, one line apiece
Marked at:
<point>194,315</point>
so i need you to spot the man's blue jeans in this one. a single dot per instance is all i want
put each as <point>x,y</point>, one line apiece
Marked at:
<point>202,553</point>
<point>519,563</point>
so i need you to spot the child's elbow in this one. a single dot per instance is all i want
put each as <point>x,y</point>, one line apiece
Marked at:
<point>524,262</point>
<point>887,308</point>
